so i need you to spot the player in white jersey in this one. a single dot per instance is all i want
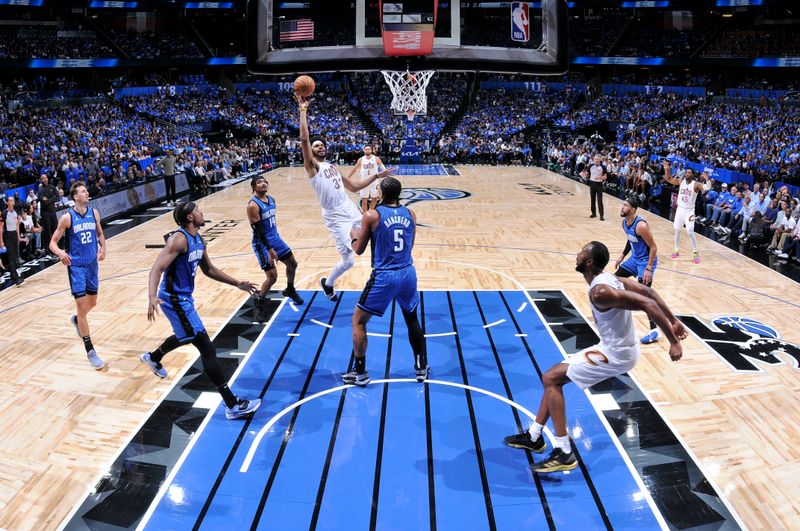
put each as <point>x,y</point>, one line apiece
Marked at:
<point>338,212</point>
<point>367,166</point>
<point>688,189</point>
<point>612,299</point>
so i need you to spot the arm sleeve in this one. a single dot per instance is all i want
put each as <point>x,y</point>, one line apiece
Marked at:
<point>261,234</point>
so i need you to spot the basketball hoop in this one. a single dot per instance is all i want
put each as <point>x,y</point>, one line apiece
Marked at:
<point>408,91</point>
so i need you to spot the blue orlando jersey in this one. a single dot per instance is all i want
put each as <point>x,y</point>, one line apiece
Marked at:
<point>640,249</point>
<point>82,238</point>
<point>392,238</point>
<point>178,279</point>
<point>266,215</point>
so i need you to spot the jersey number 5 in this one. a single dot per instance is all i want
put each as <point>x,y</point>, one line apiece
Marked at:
<point>399,242</point>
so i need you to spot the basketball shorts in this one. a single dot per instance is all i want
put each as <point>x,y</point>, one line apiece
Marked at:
<point>83,279</point>
<point>586,370</point>
<point>684,217</point>
<point>179,311</point>
<point>262,254</point>
<point>340,228</point>
<point>384,286</point>
<point>371,191</point>
<point>636,267</point>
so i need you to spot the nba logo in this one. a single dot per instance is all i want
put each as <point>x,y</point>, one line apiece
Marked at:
<point>520,31</point>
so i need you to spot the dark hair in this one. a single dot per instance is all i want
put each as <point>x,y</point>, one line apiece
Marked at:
<point>390,189</point>
<point>316,138</point>
<point>633,201</point>
<point>182,211</point>
<point>599,253</point>
<point>73,189</point>
<point>255,179</point>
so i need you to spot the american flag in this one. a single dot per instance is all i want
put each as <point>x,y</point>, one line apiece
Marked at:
<point>297,30</point>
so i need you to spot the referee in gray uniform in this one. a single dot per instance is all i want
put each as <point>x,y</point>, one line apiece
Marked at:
<point>168,163</point>
<point>597,174</point>
<point>9,238</point>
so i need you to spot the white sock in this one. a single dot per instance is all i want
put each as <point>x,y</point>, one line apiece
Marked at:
<point>563,443</point>
<point>341,266</point>
<point>535,431</point>
<point>677,239</point>
<point>694,241</point>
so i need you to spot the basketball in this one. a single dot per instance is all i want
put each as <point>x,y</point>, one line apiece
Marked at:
<point>304,86</point>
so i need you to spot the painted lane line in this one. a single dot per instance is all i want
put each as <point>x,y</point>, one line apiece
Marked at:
<point>441,335</point>
<point>326,325</point>
<point>501,321</point>
<point>266,428</point>
<point>522,307</point>
<point>376,334</point>
<point>520,335</point>
<point>293,307</point>
<point>291,334</point>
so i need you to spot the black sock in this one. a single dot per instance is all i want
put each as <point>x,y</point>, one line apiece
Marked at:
<point>290,286</point>
<point>228,397</point>
<point>361,365</point>
<point>169,344</point>
<point>87,342</point>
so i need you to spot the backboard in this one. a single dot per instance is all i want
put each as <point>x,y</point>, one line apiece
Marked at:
<point>286,37</point>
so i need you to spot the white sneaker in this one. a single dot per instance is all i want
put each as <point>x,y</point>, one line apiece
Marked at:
<point>783,255</point>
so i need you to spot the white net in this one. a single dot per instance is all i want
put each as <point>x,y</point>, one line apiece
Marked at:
<point>408,89</point>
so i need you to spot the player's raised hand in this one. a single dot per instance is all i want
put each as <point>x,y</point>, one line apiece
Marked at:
<point>247,286</point>
<point>302,101</point>
<point>387,172</point>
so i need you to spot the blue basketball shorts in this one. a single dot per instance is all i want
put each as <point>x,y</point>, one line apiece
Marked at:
<point>179,311</point>
<point>384,286</point>
<point>83,279</point>
<point>636,267</point>
<point>282,250</point>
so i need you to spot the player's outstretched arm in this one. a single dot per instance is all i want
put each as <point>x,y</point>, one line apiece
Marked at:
<point>355,169</point>
<point>604,296</point>
<point>213,272</point>
<point>63,226</point>
<point>309,163</point>
<point>101,239</point>
<point>368,222</point>
<point>668,175</point>
<point>353,184</point>
<point>176,244</point>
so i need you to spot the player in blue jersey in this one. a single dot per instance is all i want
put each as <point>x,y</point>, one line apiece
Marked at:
<point>175,267</point>
<point>268,246</point>
<point>644,258</point>
<point>85,245</point>
<point>391,228</point>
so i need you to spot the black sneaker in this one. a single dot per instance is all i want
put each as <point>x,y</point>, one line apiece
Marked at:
<point>329,291</point>
<point>423,374</point>
<point>557,461</point>
<point>524,441</point>
<point>356,378</point>
<point>292,294</point>
<point>258,308</point>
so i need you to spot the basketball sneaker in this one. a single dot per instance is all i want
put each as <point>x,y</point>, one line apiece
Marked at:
<point>95,360</point>
<point>675,254</point>
<point>652,337</point>
<point>695,258</point>
<point>328,290</point>
<point>292,294</point>
<point>258,308</point>
<point>423,373</point>
<point>74,320</point>
<point>355,378</point>
<point>242,409</point>
<point>155,366</point>
<point>557,461</point>
<point>524,441</point>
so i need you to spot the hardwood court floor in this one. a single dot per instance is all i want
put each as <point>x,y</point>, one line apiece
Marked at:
<point>62,422</point>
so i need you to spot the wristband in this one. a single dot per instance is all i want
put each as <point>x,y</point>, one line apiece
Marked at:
<point>648,268</point>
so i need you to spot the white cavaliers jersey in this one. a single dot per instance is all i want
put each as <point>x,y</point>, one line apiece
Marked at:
<point>369,166</point>
<point>615,325</point>
<point>330,190</point>
<point>687,194</point>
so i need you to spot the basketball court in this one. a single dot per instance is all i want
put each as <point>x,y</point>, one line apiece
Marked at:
<point>704,443</point>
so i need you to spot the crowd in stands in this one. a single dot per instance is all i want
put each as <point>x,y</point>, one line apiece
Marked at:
<point>197,104</point>
<point>641,41</point>
<point>595,35</point>
<point>164,44</point>
<point>47,42</point>
<point>768,42</point>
